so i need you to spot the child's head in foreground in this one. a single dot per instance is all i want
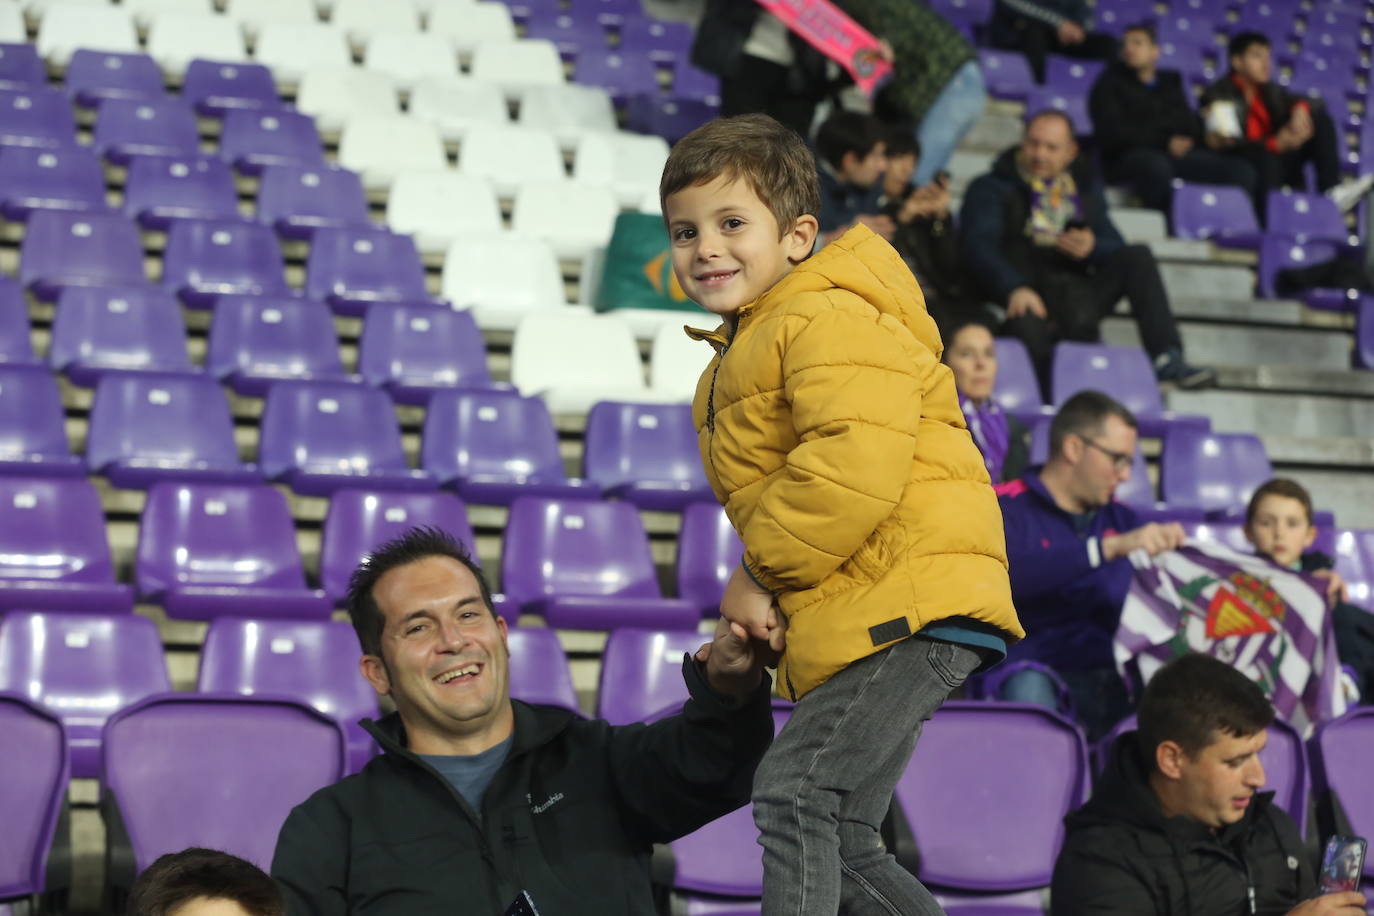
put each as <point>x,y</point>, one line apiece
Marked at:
<point>1278,521</point>
<point>204,882</point>
<point>740,199</point>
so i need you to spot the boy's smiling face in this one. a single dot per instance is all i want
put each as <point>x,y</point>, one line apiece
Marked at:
<point>726,246</point>
<point>1281,529</point>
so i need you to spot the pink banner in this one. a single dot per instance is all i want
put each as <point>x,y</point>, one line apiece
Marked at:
<point>823,26</point>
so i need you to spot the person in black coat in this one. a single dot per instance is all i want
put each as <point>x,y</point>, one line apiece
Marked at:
<point>1147,133</point>
<point>1177,825</point>
<point>1039,27</point>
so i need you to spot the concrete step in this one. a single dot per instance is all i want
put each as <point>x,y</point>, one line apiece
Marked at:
<point>999,128</point>
<point>1286,312</point>
<point>1238,345</point>
<point>1350,495</point>
<point>1300,415</point>
<point>1207,281</point>
<point>1350,383</point>
<point>1137,224</point>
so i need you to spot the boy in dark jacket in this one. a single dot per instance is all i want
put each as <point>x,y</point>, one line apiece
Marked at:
<point>1177,825</point>
<point>851,159</point>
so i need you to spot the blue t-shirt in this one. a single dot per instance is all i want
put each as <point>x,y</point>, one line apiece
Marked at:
<point>471,774</point>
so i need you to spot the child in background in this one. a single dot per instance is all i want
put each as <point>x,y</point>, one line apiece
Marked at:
<point>204,882</point>
<point>832,434</point>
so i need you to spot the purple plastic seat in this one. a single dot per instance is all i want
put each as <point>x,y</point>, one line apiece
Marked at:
<point>82,668</point>
<point>413,349</point>
<point>66,178</point>
<point>665,43</point>
<point>493,446</point>
<point>1017,388</point>
<point>1219,213</point>
<point>96,76</point>
<point>574,36</point>
<point>1007,74</point>
<point>98,329</point>
<point>694,84</point>
<point>539,672</point>
<point>207,259</point>
<point>79,249</point>
<point>613,14</point>
<point>16,342</point>
<point>669,118</point>
<point>254,140</point>
<point>360,521</point>
<point>211,550</point>
<point>215,88</point>
<point>1340,758</point>
<point>36,116</point>
<point>1307,217</point>
<point>1071,76</point>
<point>160,190</point>
<point>33,425</point>
<point>1216,471</point>
<point>320,436</point>
<point>1073,103</point>
<point>256,340</point>
<point>584,564</point>
<point>621,73</point>
<point>1364,333</point>
<point>33,796</point>
<point>125,128</point>
<point>1122,372</point>
<point>1273,19</point>
<point>641,673</point>
<point>269,756</point>
<point>151,426</point>
<point>1355,563</point>
<point>646,454</point>
<point>354,268</point>
<point>1280,252</point>
<point>296,201</point>
<point>1187,26</point>
<point>708,550</point>
<point>21,67</point>
<point>312,662</point>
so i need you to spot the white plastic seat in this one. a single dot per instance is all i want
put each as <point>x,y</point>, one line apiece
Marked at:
<point>254,15</point>
<point>409,56</point>
<point>12,30</point>
<point>335,94</point>
<point>294,49</point>
<point>176,39</point>
<point>573,218</point>
<point>380,147</point>
<point>68,25</point>
<point>468,25</point>
<point>676,361</point>
<point>569,112</point>
<point>574,359</point>
<point>650,202</point>
<point>454,104</point>
<point>508,156</point>
<point>361,18</point>
<point>502,278</point>
<point>438,207</point>
<point>630,164</point>
<point>517,65</point>
<point>39,8</point>
<point>144,10</point>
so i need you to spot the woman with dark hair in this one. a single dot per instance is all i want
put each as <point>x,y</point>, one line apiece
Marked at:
<point>971,353</point>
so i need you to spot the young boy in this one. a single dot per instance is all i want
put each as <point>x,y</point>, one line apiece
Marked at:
<point>853,159</point>
<point>832,433</point>
<point>1278,522</point>
<point>204,882</point>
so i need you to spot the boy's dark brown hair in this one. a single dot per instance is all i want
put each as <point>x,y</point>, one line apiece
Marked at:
<point>180,877</point>
<point>1279,486</point>
<point>753,148</point>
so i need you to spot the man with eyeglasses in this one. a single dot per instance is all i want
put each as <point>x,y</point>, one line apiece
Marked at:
<point>1067,545</point>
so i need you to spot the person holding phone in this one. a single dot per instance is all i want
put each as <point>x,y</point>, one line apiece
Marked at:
<point>1178,824</point>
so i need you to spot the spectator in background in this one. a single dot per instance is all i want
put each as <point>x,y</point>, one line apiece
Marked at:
<point>1146,131</point>
<point>851,150</point>
<point>1254,120</point>
<point>971,353</point>
<point>204,882</point>
<point>1177,823</point>
<point>1038,28</point>
<point>1067,546</point>
<point>1036,238</point>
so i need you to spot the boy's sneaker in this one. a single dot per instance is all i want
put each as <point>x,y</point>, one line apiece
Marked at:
<point>1171,367</point>
<point>1348,193</point>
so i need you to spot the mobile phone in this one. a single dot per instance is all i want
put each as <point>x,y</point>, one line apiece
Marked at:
<point>522,906</point>
<point>1075,224</point>
<point>1342,864</point>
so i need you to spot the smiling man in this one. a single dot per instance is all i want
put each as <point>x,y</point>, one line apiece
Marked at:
<point>478,798</point>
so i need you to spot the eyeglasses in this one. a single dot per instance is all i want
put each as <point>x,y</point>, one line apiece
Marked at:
<point>1120,460</point>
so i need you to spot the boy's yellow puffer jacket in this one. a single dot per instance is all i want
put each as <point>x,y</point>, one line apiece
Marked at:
<point>832,434</point>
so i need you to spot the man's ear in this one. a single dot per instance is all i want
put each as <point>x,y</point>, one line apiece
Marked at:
<point>374,670</point>
<point>1073,447</point>
<point>801,238</point>
<point>1170,758</point>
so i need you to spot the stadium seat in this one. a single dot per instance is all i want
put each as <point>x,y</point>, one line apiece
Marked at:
<point>1185,25</point>
<point>1017,389</point>
<point>79,249</point>
<point>380,147</point>
<point>82,668</point>
<point>696,85</point>
<point>33,426</point>
<point>517,65</point>
<point>629,164</point>
<point>454,104</point>
<point>33,796</point>
<point>1364,333</point>
<point>708,550</point>
<point>619,74</point>
<point>255,341</point>
<point>253,140</point>
<point>36,178</point>
<point>20,66</point>
<point>676,361</point>
<point>1217,472</point>
<point>408,57</point>
<point>12,28</point>
<point>159,190</point>
<point>438,207</point>
<point>1007,74</point>
<point>256,17</point>
<point>296,201</point>
<point>1340,757</point>
<point>665,43</point>
<point>1281,252</point>
<point>572,217</point>
<point>466,26</point>
<point>415,349</point>
<point>334,94</point>
<point>295,49</point>
<point>311,662</point>
<point>38,116</point>
<point>16,341</point>
<point>641,673</point>
<point>573,36</point>
<point>1122,372</point>
<point>1266,18</point>
<point>669,118</point>
<point>145,11</point>
<point>359,521</point>
<point>98,330</point>
<point>501,279</point>
<point>95,27</point>
<point>569,112</point>
<point>95,76</point>
<point>54,556</point>
<point>125,128</point>
<point>574,360</point>
<point>270,755</point>
<point>176,39</point>
<point>216,88</point>
<point>1073,103</point>
<point>509,156</point>
<point>317,437</point>
<point>210,550</point>
<point>1307,217</point>
<point>1355,564</point>
<point>1071,76</point>
<point>207,259</point>
<point>645,454</point>
<point>352,269</point>
<point>584,564</point>
<point>494,446</point>
<point>362,18</point>
<point>539,672</point>
<point>1221,214</point>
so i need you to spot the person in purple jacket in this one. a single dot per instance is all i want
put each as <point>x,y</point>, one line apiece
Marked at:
<point>1067,544</point>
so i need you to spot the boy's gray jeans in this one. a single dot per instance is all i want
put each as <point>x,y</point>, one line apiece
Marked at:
<point>824,786</point>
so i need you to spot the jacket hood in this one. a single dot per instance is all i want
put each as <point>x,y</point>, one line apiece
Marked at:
<point>534,726</point>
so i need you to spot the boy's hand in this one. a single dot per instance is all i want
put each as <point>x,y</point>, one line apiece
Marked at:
<point>746,604</point>
<point>1336,590</point>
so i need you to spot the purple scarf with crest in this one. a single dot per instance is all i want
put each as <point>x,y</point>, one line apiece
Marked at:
<point>988,424</point>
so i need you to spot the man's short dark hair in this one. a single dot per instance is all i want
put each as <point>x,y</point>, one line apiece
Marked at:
<point>1144,26</point>
<point>1057,115</point>
<point>1194,701</point>
<point>415,545</point>
<point>179,877</point>
<point>848,132</point>
<point>900,140</point>
<point>1083,415</point>
<point>1244,41</point>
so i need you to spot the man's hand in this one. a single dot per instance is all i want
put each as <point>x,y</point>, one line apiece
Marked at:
<point>1024,300</point>
<point>1217,141</point>
<point>1154,539</point>
<point>1070,33</point>
<point>1336,591</point>
<point>1076,243</point>
<point>734,662</point>
<point>880,223</point>
<point>1180,146</point>
<point>1348,903</point>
